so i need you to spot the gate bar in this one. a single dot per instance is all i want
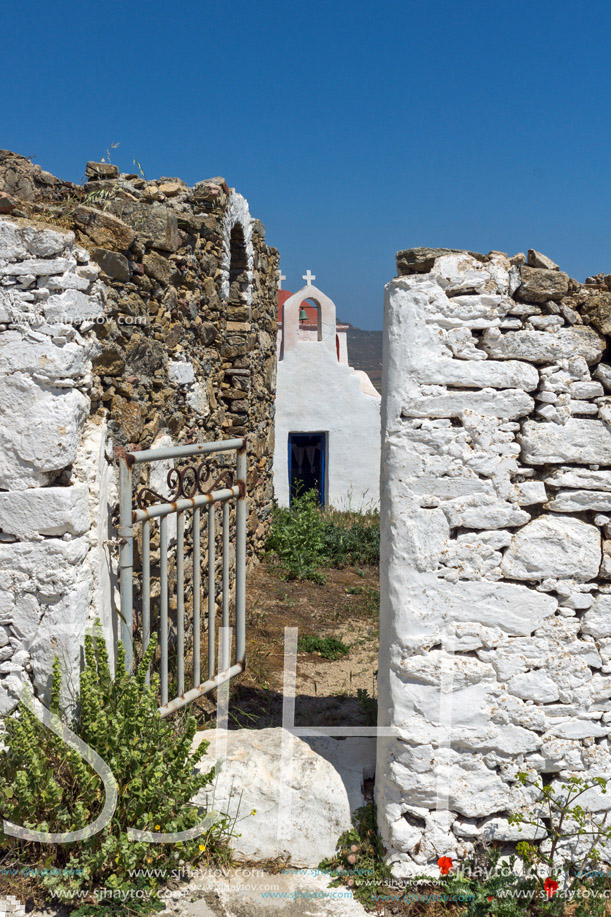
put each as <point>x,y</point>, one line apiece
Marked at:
<point>146,590</point>
<point>165,509</point>
<point>196,597</point>
<point>150,455</point>
<point>180,600</point>
<point>163,581</point>
<point>126,559</point>
<point>240,560</point>
<point>211,590</point>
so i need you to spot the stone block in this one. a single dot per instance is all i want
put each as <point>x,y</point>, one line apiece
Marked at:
<point>487,374</point>
<point>46,511</point>
<point>72,307</point>
<point>506,405</point>
<point>551,546</point>
<point>106,230</point>
<point>536,259</point>
<point>158,267</point>
<point>42,358</point>
<point>420,260</point>
<point>114,264</point>
<point>597,310</point>
<point>484,512</point>
<point>540,285</point>
<point>579,441</point>
<point>580,501</point>
<point>181,373</point>
<point>252,778</point>
<point>41,433</point>
<point>37,267</point>
<point>99,171</point>
<point>545,346</point>
<point>597,620</point>
<point>155,225</point>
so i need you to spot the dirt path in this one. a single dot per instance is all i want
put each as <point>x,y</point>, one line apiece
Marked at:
<point>346,607</point>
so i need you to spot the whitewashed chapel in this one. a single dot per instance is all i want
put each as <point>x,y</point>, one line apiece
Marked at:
<point>327,412</point>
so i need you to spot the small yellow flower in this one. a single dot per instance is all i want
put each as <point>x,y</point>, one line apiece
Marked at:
<point>202,846</point>
<point>254,812</point>
<point>157,827</point>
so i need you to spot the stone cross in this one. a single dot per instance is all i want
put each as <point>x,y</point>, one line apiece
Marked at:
<point>281,277</point>
<point>308,277</point>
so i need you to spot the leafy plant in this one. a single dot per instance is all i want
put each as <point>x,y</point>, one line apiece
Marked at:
<point>297,538</point>
<point>327,647</point>
<point>549,874</point>
<point>306,537</point>
<point>46,785</point>
<point>572,837</point>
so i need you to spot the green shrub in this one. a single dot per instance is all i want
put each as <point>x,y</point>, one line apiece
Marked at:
<point>351,539</point>
<point>328,647</point>
<point>306,537</point>
<point>46,785</point>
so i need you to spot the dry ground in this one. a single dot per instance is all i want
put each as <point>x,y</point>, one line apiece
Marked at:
<point>345,607</point>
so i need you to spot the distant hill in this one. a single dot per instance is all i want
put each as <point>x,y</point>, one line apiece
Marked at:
<point>365,352</point>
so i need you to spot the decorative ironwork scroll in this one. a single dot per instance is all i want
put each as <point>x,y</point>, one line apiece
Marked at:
<point>185,483</point>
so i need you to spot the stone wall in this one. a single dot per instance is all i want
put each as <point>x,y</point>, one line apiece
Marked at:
<point>496,548</point>
<point>132,313</point>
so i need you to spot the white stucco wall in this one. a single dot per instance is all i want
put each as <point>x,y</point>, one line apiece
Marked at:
<point>495,582</point>
<point>55,479</point>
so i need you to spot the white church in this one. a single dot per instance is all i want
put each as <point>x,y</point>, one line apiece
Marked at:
<point>327,412</point>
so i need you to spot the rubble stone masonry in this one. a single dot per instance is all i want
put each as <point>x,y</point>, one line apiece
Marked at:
<point>496,548</point>
<point>133,313</point>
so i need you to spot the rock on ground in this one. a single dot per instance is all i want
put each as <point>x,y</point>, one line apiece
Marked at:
<point>260,774</point>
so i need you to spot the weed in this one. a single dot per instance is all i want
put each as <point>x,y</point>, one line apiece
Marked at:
<point>369,705</point>
<point>45,784</point>
<point>359,861</point>
<point>371,602</point>
<point>327,647</point>
<point>305,538</point>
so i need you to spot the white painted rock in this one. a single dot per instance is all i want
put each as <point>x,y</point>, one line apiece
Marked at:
<point>41,430</point>
<point>553,546</point>
<point>536,686</point>
<point>507,404</point>
<point>181,373</point>
<point>484,512</point>
<point>546,346</point>
<point>318,808</point>
<point>579,501</point>
<point>580,478</point>
<point>73,306</point>
<point>43,358</point>
<point>47,510</point>
<point>581,441</point>
<point>597,620</point>
<point>465,312</point>
<point>462,273</point>
<point>478,374</point>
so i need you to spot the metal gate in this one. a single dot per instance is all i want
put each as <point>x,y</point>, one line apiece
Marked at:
<point>190,493</point>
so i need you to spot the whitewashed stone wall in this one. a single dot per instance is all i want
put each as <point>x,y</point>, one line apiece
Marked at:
<point>496,548</point>
<point>56,483</point>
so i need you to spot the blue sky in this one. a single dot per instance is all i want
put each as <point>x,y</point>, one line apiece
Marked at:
<point>354,129</point>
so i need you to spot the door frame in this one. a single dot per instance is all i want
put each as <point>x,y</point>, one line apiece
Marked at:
<point>323,462</point>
